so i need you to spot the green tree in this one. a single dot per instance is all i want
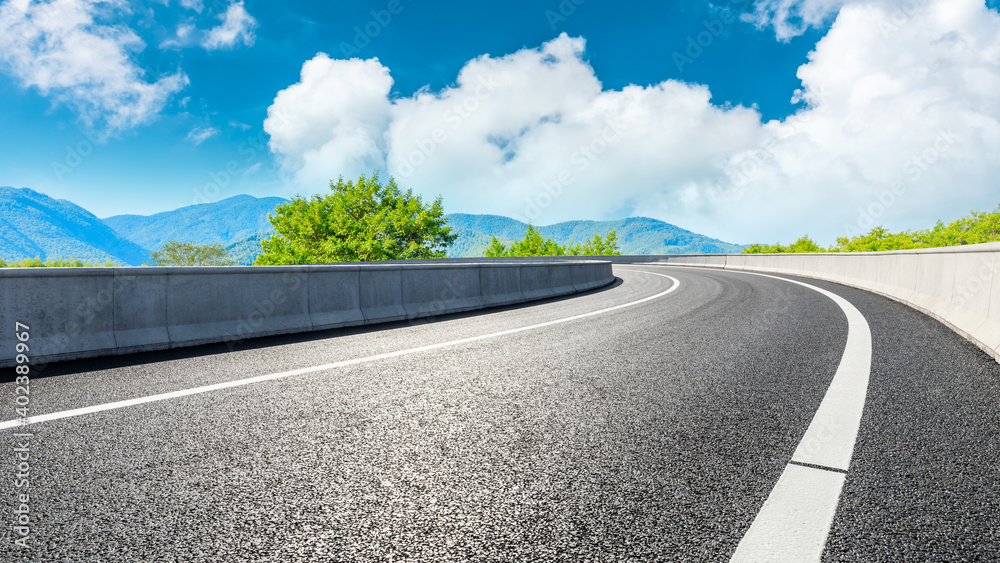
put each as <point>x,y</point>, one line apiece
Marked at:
<point>496,249</point>
<point>37,262</point>
<point>758,248</point>
<point>804,244</point>
<point>607,246</point>
<point>176,253</point>
<point>359,221</point>
<point>977,227</point>
<point>534,245</point>
<point>877,240</point>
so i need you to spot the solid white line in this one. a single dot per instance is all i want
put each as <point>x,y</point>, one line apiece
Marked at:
<point>793,523</point>
<point>829,440</point>
<point>795,520</point>
<point>281,375</point>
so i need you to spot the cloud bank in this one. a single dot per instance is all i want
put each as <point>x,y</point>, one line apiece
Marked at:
<point>899,126</point>
<point>62,49</point>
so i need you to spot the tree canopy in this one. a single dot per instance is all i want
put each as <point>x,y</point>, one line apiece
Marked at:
<point>359,221</point>
<point>534,245</point>
<point>977,227</point>
<point>176,253</point>
<point>37,262</point>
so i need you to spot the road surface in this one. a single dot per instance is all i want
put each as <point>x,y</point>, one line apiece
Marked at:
<point>646,421</point>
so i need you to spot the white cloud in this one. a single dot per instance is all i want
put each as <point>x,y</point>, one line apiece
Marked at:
<point>183,36</point>
<point>900,122</point>
<point>199,135</point>
<point>237,26</point>
<point>59,48</point>
<point>196,5</point>
<point>332,121</point>
<point>791,18</point>
<point>899,99</point>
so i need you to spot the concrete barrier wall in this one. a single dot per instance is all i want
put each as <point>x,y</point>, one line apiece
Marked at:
<point>85,312</point>
<point>959,286</point>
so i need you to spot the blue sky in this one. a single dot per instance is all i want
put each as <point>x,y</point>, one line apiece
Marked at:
<point>146,106</point>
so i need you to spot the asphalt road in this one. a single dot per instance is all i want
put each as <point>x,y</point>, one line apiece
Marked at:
<point>649,432</point>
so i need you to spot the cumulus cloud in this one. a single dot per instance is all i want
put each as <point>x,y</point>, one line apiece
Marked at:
<point>902,126</point>
<point>196,5</point>
<point>60,48</point>
<point>333,120</point>
<point>898,126</point>
<point>237,26</point>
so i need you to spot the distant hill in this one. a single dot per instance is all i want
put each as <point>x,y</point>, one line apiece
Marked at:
<point>244,252</point>
<point>223,222</point>
<point>34,224</point>
<point>636,235</point>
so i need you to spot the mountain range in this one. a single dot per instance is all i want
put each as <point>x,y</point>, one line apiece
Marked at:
<point>34,224</point>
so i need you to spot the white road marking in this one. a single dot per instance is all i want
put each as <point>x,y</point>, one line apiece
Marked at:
<point>313,369</point>
<point>795,520</point>
<point>792,525</point>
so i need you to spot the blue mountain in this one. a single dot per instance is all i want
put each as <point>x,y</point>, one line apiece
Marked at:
<point>636,235</point>
<point>33,224</point>
<point>224,222</point>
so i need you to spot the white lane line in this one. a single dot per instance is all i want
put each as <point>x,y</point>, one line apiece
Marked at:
<point>795,520</point>
<point>313,369</point>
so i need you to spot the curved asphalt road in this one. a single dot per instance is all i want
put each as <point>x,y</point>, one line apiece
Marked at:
<point>650,432</point>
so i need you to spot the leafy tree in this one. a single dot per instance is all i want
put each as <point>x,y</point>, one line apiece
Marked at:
<point>975,228</point>
<point>358,222</point>
<point>608,246</point>
<point>175,253</point>
<point>758,248</point>
<point>534,245</point>
<point>37,262</point>
<point>496,249</point>
<point>804,244</point>
<point>878,239</point>
<point>531,245</point>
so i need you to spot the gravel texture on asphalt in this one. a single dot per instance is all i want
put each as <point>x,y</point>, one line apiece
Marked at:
<point>649,433</point>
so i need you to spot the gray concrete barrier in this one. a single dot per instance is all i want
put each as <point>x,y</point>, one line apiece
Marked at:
<point>85,312</point>
<point>958,286</point>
